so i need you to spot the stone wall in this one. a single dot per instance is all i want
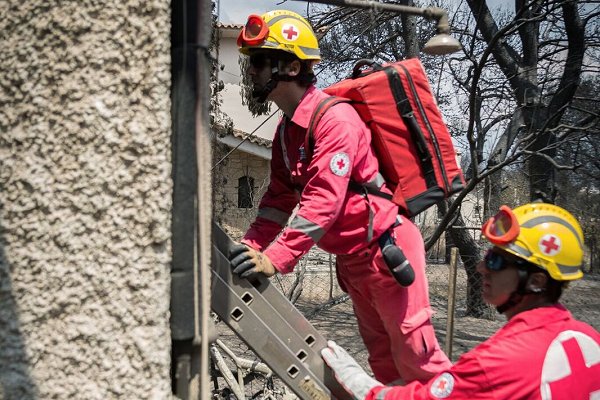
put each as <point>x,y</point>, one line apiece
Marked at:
<point>85,199</point>
<point>237,220</point>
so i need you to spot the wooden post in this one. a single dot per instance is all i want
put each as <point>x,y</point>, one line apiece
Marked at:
<point>451,301</point>
<point>330,276</point>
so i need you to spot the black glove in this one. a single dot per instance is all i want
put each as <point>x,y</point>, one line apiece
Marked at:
<point>246,261</point>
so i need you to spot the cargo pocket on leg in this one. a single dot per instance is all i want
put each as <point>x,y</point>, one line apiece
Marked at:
<point>418,333</point>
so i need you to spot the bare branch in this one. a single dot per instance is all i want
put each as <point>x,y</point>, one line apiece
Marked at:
<point>550,160</point>
<point>570,79</point>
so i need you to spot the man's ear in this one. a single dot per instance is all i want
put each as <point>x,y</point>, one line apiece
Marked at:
<point>537,282</point>
<point>293,68</point>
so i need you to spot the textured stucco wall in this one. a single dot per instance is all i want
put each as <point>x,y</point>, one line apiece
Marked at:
<point>85,199</point>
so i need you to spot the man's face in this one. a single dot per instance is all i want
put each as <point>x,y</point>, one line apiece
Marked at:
<point>500,276</point>
<point>259,70</point>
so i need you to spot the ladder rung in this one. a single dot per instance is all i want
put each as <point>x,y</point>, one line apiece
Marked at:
<point>272,327</point>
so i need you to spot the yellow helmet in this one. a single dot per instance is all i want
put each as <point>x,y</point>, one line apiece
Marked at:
<point>280,30</point>
<point>543,234</point>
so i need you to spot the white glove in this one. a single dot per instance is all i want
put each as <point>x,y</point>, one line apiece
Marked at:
<point>347,371</point>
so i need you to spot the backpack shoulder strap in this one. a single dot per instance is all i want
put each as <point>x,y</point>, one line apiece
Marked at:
<point>309,143</point>
<point>320,110</point>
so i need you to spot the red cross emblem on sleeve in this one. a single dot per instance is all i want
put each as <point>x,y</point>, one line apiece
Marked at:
<point>340,164</point>
<point>442,387</point>
<point>550,244</point>
<point>290,32</point>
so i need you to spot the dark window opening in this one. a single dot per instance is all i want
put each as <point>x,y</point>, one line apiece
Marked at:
<point>245,192</point>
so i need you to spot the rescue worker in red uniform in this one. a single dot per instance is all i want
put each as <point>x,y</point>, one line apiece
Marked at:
<point>542,352</point>
<point>394,321</point>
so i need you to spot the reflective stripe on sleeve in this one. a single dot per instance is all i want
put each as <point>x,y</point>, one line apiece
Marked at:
<point>273,214</point>
<point>375,183</point>
<point>382,393</point>
<point>310,229</point>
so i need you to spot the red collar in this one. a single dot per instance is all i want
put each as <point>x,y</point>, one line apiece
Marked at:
<point>541,316</point>
<point>307,105</point>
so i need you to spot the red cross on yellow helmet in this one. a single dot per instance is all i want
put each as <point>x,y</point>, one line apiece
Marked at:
<point>280,30</point>
<point>543,234</point>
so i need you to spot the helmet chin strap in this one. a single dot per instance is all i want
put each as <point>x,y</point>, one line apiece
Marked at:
<point>512,301</point>
<point>516,296</point>
<point>261,94</point>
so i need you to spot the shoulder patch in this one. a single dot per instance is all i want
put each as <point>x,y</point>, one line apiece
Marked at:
<point>442,386</point>
<point>340,164</point>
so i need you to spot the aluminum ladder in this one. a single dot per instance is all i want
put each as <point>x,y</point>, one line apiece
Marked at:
<point>271,326</point>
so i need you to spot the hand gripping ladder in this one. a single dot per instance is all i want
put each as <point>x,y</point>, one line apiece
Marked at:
<point>272,327</point>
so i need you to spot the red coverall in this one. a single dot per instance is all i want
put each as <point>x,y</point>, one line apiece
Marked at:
<point>542,353</point>
<point>392,319</point>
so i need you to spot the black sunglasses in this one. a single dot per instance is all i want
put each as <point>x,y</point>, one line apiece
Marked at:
<point>259,60</point>
<point>497,262</point>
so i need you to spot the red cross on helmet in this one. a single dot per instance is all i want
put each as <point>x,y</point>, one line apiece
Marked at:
<point>543,234</point>
<point>280,30</point>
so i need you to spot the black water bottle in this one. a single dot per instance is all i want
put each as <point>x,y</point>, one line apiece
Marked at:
<point>398,264</point>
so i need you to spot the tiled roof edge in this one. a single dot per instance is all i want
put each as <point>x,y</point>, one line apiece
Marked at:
<point>243,135</point>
